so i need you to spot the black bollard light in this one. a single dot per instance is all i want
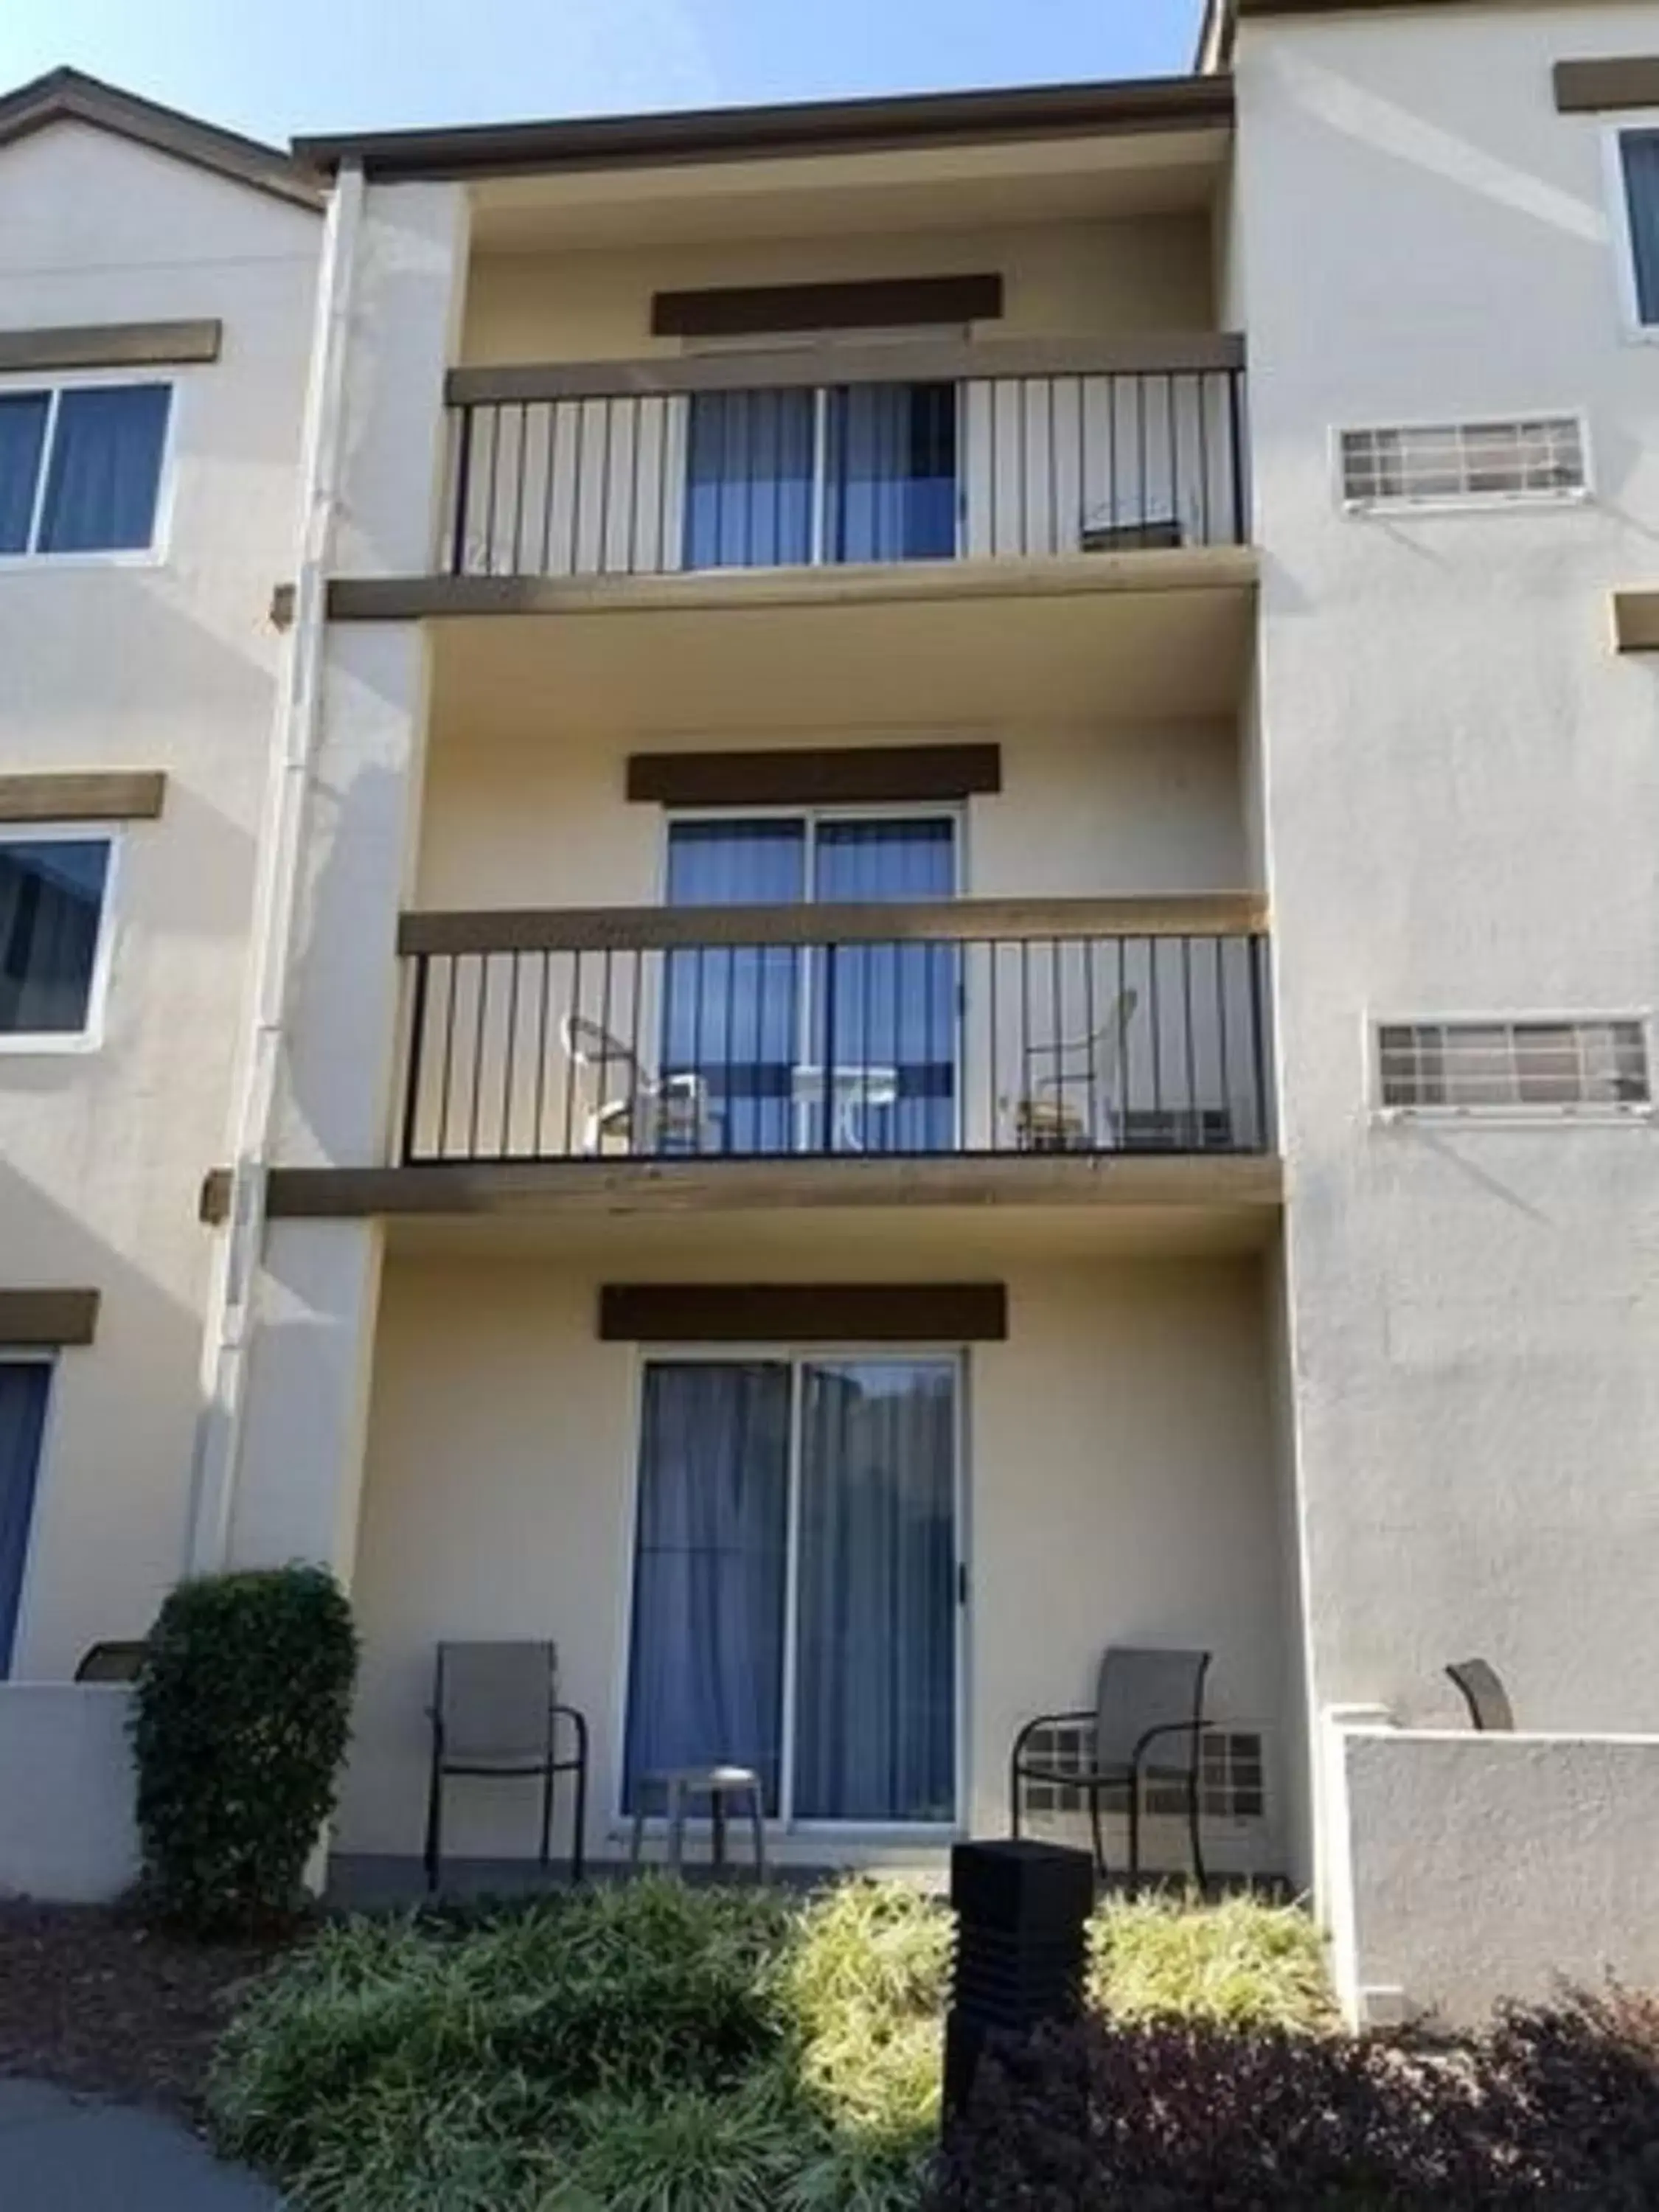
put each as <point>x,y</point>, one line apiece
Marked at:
<point>1021,1911</point>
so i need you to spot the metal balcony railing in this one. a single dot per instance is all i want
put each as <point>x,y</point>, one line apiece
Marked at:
<point>966,1028</point>
<point>835,456</point>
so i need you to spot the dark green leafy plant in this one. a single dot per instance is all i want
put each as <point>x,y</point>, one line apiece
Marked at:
<point>240,1724</point>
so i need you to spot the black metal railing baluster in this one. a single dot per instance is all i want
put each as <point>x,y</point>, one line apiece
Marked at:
<point>416,1057</point>
<point>452,995</point>
<point>573,1023</point>
<point>462,492</point>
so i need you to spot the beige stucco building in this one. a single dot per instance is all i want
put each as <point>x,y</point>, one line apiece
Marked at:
<point>953,963</point>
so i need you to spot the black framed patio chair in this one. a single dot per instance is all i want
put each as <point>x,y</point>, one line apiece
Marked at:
<point>1488,1701</point>
<point>496,1716</point>
<point>1146,1726</point>
<point>111,1662</point>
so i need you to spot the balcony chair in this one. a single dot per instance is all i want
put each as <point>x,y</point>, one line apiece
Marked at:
<point>1488,1701</point>
<point>1144,1699</point>
<point>626,1104</point>
<point>1073,1106</point>
<point>496,1715</point>
<point>111,1662</point>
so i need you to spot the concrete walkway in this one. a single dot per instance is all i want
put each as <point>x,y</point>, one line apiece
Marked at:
<point>64,2154</point>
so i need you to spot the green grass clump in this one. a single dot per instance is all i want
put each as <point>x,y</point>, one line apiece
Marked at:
<point>652,2048</point>
<point>1239,1964</point>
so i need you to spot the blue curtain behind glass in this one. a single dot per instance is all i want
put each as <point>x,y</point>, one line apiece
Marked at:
<point>23,1387</point>
<point>875,1699</point>
<point>890,1006</point>
<point>734,1014</point>
<point>22,428</point>
<point>892,472</point>
<point>1641,152</point>
<point>705,1668</point>
<point>106,469</point>
<point>52,895</point>
<point>748,480</point>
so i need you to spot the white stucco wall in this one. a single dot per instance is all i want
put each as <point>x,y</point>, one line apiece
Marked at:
<point>168,665</point>
<point>66,1792</point>
<point>1460,782</point>
<point>301,1457</point>
<point>1118,1483</point>
<point>1477,1868</point>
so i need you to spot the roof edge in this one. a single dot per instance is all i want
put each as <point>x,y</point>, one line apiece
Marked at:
<point>798,128</point>
<point>69,95</point>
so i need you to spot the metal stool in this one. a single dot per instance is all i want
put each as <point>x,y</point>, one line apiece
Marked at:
<point>676,1784</point>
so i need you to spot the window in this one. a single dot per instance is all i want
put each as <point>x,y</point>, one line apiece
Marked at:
<point>1638,203</point>
<point>1232,1776</point>
<point>1537,457</point>
<point>861,472</point>
<point>1496,1066</point>
<point>795,1588</point>
<point>24,1386</point>
<point>828,1049</point>
<point>53,902</point>
<point>80,467</point>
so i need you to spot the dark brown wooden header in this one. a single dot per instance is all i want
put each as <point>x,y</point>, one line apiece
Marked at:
<point>1590,87</point>
<point>886,303</point>
<point>95,795</point>
<point>817,776</point>
<point>800,1313</point>
<point>45,1320</point>
<point>109,345</point>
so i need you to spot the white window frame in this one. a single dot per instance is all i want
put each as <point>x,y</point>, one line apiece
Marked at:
<point>797,1357</point>
<point>89,1037</point>
<point>1604,1113</point>
<point>50,1358</point>
<point>54,383</point>
<point>1481,503</point>
<point>1613,134</point>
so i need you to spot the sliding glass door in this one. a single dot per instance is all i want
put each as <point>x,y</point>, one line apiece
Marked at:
<point>795,1582</point>
<point>856,473</point>
<point>833,1048</point>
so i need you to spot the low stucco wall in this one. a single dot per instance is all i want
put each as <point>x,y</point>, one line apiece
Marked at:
<point>1467,1869</point>
<point>66,1792</point>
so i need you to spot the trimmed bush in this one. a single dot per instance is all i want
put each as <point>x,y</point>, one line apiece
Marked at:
<point>1557,2110</point>
<point>239,1727</point>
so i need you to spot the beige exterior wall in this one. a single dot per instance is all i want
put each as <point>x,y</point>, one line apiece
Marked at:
<point>166,666</point>
<point>1060,280</point>
<point>1118,1487</point>
<point>538,817</point>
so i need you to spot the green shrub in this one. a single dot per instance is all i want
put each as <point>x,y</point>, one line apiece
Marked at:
<point>1241,1963</point>
<point>239,1727</point>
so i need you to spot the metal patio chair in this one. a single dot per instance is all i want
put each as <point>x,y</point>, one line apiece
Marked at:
<point>1147,1703</point>
<point>1073,1103</point>
<point>496,1715</point>
<point>111,1662</point>
<point>1488,1701</point>
<point>627,1104</point>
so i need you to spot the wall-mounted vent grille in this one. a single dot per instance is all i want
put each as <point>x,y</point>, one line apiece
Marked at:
<point>1231,1783</point>
<point>1540,457</point>
<point>1505,1066</point>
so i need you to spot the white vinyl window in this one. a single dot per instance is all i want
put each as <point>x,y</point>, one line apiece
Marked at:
<point>1532,457</point>
<point>80,467</point>
<point>55,886</point>
<point>1534,1067</point>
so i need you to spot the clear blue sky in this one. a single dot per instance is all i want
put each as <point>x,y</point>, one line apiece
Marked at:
<point>330,65</point>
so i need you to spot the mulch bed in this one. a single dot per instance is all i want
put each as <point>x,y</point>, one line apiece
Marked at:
<point>94,2001</point>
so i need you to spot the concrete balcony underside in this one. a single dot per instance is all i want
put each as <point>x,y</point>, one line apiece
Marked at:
<point>1159,635</point>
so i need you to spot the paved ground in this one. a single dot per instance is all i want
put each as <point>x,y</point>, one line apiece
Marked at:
<point>64,2154</point>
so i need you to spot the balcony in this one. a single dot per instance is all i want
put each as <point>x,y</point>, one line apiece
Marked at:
<point>929,527</point>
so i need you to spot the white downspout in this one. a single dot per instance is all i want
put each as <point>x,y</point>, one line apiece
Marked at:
<point>227,1333</point>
